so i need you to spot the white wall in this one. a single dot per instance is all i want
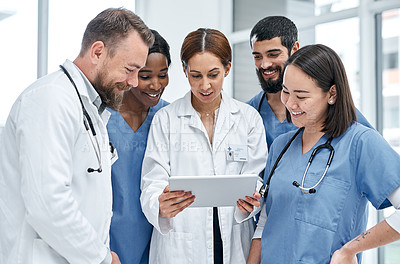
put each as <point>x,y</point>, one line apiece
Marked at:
<point>174,19</point>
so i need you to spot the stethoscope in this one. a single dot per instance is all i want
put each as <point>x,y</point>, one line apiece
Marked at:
<point>265,188</point>
<point>261,101</point>
<point>87,122</point>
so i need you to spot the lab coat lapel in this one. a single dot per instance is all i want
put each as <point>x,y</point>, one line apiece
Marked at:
<point>227,121</point>
<point>188,115</point>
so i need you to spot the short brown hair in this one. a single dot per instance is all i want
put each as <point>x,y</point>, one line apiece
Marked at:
<point>324,66</point>
<point>113,25</point>
<point>206,40</point>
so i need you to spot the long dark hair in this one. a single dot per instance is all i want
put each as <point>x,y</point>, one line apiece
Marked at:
<point>325,67</point>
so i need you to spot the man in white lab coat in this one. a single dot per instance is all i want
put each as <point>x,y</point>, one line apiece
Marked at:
<point>55,159</point>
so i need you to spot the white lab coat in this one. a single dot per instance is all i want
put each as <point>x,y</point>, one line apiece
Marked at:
<point>178,145</point>
<point>51,209</point>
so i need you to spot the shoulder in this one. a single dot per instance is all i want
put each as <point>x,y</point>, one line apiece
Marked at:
<point>256,100</point>
<point>243,107</point>
<point>361,119</point>
<point>51,92</point>
<point>164,108</point>
<point>162,103</point>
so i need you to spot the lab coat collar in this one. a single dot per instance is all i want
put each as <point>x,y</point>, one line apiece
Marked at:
<point>89,92</point>
<point>228,117</point>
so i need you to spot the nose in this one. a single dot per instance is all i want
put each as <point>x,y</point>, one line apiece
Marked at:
<point>133,79</point>
<point>266,62</point>
<point>288,100</point>
<point>155,84</point>
<point>205,84</point>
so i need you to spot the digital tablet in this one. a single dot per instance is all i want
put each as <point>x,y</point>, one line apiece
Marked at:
<point>215,190</point>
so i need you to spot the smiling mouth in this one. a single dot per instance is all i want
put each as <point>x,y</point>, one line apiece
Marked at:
<point>296,113</point>
<point>206,94</point>
<point>153,95</point>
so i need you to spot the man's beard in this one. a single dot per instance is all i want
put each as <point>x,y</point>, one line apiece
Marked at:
<point>109,97</point>
<point>270,86</point>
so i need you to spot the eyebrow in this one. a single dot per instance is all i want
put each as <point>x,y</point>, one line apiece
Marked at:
<point>296,91</point>
<point>268,51</point>
<point>135,65</point>
<point>216,68</point>
<point>165,69</point>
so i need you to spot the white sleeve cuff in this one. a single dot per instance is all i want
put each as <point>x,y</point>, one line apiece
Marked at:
<point>108,258</point>
<point>240,216</point>
<point>261,222</point>
<point>165,224</point>
<point>394,220</point>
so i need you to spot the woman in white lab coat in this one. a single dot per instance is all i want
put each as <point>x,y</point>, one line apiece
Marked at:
<point>191,137</point>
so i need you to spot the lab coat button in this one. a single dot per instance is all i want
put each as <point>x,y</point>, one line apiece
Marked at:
<point>209,246</point>
<point>210,212</point>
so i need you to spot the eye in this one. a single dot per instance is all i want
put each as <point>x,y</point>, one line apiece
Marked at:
<point>144,77</point>
<point>163,76</point>
<point>129,70</point>
<point>213,75</point>
<point>300,97</point>
<point>257,57</point>
<point>273,55</point>
<point>285,92</point>
<point>196,76</point>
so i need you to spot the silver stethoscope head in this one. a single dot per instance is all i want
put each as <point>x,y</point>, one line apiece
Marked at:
<point>312,189</point>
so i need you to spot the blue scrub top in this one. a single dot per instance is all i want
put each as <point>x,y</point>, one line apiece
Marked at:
<point>130,232</point>
<point>274,127</point>
<point>308,228</point>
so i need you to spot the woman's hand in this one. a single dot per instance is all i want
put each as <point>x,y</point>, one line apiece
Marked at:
<point>341,257</point>
<point>247,205</point>
<point>172,203</point>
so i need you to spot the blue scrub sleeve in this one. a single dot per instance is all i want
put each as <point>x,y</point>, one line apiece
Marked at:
<point>377,168</point>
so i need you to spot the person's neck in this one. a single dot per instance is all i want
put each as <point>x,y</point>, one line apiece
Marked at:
<point>133,111</point>
<point>206,109</point>
<point>277,107</point>
<point>311,135</point>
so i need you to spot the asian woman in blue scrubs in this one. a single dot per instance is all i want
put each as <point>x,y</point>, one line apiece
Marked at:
<point>130,232</point>
<point>318,213</point>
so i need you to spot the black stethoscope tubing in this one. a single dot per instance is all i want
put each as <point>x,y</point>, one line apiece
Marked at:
<point>261,101</point>
<point>265,188</point>
<point>87,123</point>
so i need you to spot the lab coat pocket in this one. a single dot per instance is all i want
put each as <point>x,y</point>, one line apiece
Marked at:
<point>44,254</point>
<point>174,247</point>
<point>323,208</point>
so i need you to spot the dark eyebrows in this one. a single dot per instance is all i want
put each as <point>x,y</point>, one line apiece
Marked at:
<point>296,91</point>
<point>268,51</point>
<point>143,70</point>
<point>216,68</point>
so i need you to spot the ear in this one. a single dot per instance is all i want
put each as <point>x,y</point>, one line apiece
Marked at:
<point>332,95</point>
<point>97,52</point>
<point>227,69</point>
<point>184,69</point>
<point>295,47</point>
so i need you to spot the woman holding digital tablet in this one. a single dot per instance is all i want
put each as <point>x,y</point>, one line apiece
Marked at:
<point>194,136</point>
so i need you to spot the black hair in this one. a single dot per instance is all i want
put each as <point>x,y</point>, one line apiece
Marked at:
<point>160,46</point>
<point>275,26</point>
